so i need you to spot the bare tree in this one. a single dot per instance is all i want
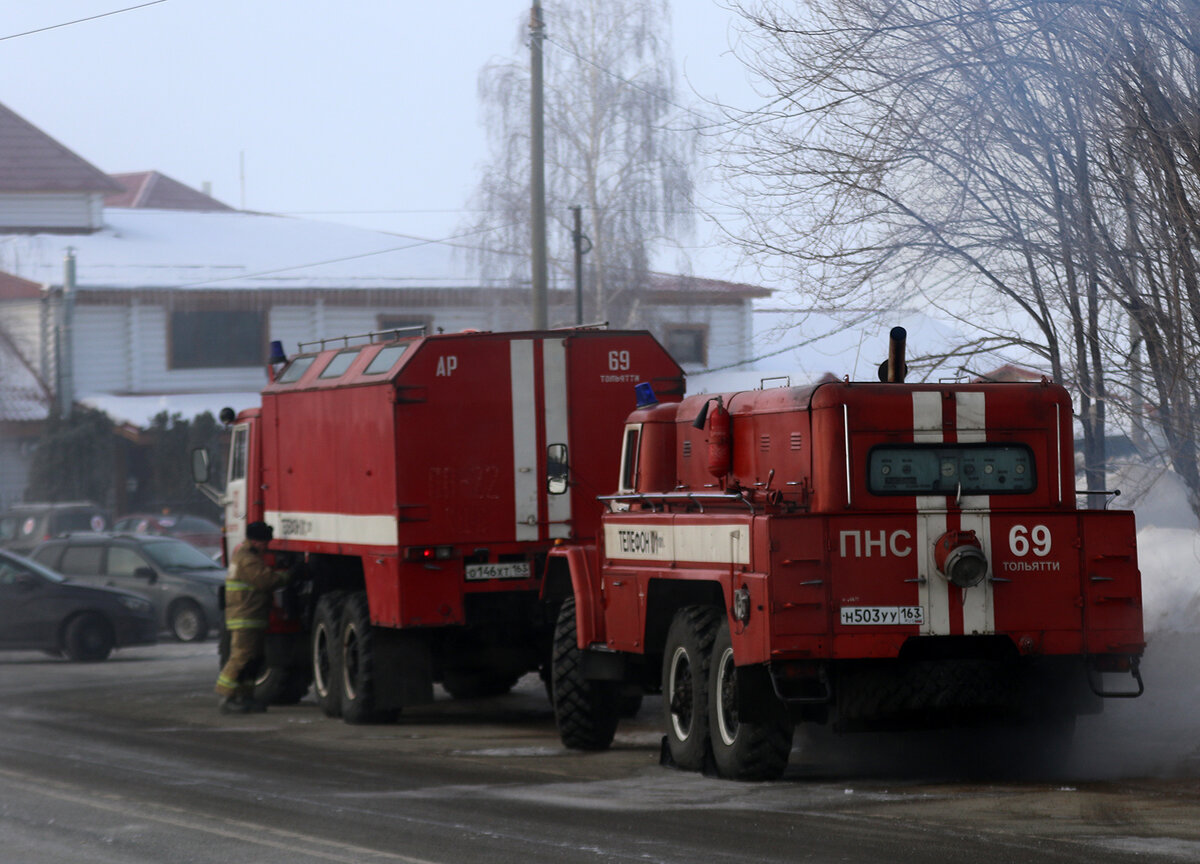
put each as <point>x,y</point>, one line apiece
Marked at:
<point>613,146</point>
<point>1028,166</point>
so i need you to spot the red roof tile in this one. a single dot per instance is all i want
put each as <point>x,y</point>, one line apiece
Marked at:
<point>16,288</point>
<point>32,161</point>
<point>152,190</point>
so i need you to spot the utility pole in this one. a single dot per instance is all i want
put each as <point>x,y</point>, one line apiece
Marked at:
<point>537,175</point>
<point>66,339</point>
<point>579,238</point>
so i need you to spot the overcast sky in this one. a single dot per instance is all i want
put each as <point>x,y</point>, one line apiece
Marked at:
<point>342,110</point>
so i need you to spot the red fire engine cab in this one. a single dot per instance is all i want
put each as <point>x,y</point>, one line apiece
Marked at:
<point>419,483</point>
<point>868,555</point>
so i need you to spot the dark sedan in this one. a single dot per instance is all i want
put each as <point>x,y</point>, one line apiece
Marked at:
<point>41,609</point>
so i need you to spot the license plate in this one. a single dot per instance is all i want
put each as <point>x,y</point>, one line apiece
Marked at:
<point>509,570</point>
<point>882,615</point>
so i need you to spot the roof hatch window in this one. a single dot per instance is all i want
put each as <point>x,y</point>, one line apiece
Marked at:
<point>295,370</point>
<point>386,359</point>
<point>339,364</point>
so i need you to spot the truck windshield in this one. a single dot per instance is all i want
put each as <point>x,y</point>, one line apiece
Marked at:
<point>950,469</point>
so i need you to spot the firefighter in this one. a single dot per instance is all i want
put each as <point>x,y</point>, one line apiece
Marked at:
<point>248,590</point>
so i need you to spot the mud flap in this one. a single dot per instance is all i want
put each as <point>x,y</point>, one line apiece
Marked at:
<point>756,694</point>
<point>404,666</point>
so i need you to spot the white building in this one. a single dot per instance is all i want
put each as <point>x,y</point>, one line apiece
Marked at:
<point>175,297</point>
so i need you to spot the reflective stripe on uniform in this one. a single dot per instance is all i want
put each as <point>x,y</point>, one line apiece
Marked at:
<point>245,624</point>
<point>231,585</point>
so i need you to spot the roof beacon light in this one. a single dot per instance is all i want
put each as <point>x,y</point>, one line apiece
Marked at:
<point>277,355</point>
<point>645,395</point>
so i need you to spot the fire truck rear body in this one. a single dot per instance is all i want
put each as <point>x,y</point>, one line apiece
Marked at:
<point>427,477</point>
<point>856,539</point>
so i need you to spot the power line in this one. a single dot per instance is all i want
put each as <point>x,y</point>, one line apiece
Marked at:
<point>359,256</point>
<point>81,20</point>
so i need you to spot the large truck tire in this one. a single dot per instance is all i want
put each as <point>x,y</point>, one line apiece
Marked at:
<point>743,750</point>
<point>685,675</point>
<point>586,711</point>
<point>326,653</point>
<point>359,676</point>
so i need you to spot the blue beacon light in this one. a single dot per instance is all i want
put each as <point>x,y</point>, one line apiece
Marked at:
<point>645,395</point>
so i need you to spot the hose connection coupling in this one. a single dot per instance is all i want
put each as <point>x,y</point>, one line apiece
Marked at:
<point>960,557</point>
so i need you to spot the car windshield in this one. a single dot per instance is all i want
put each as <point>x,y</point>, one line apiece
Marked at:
<point>10,563</point>
<point>177,555</point>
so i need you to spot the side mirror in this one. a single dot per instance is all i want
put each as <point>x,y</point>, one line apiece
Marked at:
<point>557,470</point>
<point>145,573</point>
<point>26,581</point>
<point>200,465</point>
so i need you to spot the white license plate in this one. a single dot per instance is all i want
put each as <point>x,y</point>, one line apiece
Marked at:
<point>882,615</point>
<point>510,570</point>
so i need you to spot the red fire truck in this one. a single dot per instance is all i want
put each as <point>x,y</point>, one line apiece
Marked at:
<point>867,555</point>
<point>418,484</point>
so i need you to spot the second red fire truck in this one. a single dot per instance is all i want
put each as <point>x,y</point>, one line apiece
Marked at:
<point>867,555</point>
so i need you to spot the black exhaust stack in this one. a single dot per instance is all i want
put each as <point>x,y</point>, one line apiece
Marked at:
<point>893,370</point>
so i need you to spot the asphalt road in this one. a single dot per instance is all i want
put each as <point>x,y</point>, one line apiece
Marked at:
<point>128,761</point>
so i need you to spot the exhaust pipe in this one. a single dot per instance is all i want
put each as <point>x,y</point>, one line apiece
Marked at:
<point>893,370</point>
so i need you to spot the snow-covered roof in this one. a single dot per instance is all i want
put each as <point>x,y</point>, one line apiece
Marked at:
<point>189,250</point>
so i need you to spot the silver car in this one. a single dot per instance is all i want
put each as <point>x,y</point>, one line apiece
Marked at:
<point>180,580</point>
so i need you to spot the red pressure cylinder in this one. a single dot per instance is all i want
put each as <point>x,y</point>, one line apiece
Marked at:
<point>720,446</point>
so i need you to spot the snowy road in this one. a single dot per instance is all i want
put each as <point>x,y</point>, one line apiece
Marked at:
<point>128,761</point>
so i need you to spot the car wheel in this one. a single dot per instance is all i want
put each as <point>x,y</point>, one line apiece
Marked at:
<point>88,639</point>
<point>186,622</point>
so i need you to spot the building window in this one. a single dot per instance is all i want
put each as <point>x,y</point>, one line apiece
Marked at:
<point>216,338</point>
<point>688,344</point>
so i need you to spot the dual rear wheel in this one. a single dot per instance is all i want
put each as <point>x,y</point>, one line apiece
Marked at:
<point>700,704</point>
<point>343,659</point>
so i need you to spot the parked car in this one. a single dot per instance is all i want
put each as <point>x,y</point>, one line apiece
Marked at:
<point>202,533</point>
<point>23,526</point>
<point>40,609</point>
<point>180,580</point>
